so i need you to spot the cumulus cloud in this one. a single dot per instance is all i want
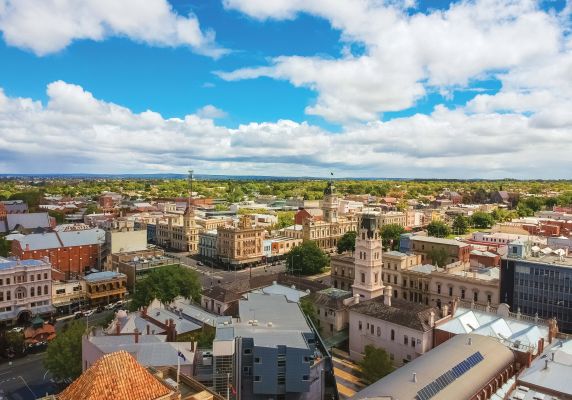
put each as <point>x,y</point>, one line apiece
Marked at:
<point>48,26</point>
<point>76,132</point>
<point>210,111</point>
<point>406,54</point>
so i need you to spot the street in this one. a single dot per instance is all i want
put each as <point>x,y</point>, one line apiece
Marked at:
<point>212,276</point>
<point>25,378</point>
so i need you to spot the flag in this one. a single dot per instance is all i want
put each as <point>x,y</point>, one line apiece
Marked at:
<point>181,355</point>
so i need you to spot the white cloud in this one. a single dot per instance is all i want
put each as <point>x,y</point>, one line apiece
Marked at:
<point>48,26</point>
<point>406,54</point>
<point>210,111</point>
<point>76,132</point>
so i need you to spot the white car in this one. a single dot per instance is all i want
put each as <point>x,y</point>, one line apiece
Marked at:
<point>17,329</point>
<point>88,313</point>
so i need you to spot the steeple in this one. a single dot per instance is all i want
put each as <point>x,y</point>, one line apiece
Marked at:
<point>368,259</point>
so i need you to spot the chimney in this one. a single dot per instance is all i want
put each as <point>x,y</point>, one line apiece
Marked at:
<point>356,298</point>
<point>444,310</point>
<point>144,312</point>
<point>455,305</point>
<point>415,377</point>
<point>432,319</point>
<point>545,364</point>
<point>552,356</point>
<point>136,334</point>
<point>470,341</point>
<point>27,247</point>
<point>148,329</point>
<point>387,296</point>
<point>117,327</point>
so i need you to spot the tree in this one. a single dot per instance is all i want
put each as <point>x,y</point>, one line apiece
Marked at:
<point>390,235</point>
<point>309,310</point>
<point>460,225</point>
<point>4,247</point>
<point>63,356</point>
<point>14,341</point>
<point>438,229</point>
<point>482,220</point>
<point>285,218</point>
<point>166,284</point>
<point>347,242</point>
<point>375,364</point>
<point>307,259</point>
<point>91,208</point>
<point>438,257</point>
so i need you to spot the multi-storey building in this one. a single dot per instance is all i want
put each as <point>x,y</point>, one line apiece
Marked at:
<point>426,245</point>
<point>25,290</point>
<point>105,287</point>
<point>331,228</point>
<point>394,263</point>
<point>68,296</point>
<point>342,271</point>
<point>538,281</point>
<point>268,352</point>
<point>72,249</point>
<point>179,232</point>
<point>207,245</point>
<point>240,245</point>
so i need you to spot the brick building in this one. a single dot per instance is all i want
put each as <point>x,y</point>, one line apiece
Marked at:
<point>71,249</point>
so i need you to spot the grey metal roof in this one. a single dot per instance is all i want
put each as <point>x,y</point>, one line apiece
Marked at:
<point>400,384</point>
<point>6,263</point>
<point>198,314</point>
<point>28,221</point>
<point>431,239</point>
<point>102,276</point>
<point>39,241</point>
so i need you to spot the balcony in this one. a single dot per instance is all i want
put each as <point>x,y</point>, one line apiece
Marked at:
<point>105,293</point>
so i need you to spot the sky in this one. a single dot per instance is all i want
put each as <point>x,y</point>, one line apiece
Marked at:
<point>362,88</point>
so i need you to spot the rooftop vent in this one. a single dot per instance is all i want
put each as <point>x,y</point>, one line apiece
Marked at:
<point>270,324</point>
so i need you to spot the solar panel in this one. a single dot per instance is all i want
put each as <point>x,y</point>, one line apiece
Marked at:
<point>448,377</point>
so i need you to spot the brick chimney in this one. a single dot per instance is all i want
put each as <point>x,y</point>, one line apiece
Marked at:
<point>148,329</point>
<point>387,293</point>
<point>144,312</point>
<point>454,307</point>
<point>552,329</point>
<point>432,319</point>
<point>171,331</point>
<point>136,334</point>
<point>27,247</point>
<point>117,326</point>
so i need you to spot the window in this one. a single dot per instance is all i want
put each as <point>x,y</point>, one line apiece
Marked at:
<point>1,296</point>
<point>45,289</point>
<point>413,342</point>
<point>450,291</point>
<point>7,281</point>
<point>39,276</point>
<point>247,351</point>
<point>305,377</point>
<point>257,360</point>
<point>392,334</point>
<point>31,292</point>
<point>8,295</point>
<point>359,325</point>
<point>362,277</point>
<point>395,279</point>
<point>45,275</point>
<point>31,279</point>
<point>476,296</point>
<point>405,339</point>
<point>39,290</point>
<point>489,298</point>
<point>371,329</point>
<point>375,277</point>
<point>281,361</point>
<point>438,288</point>
<point>462,293</point>
<point>256,378</point>
<point>281,378</point>
<point>378,331</point>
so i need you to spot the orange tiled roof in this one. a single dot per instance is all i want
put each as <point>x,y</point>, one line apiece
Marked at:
<point>115,376</point>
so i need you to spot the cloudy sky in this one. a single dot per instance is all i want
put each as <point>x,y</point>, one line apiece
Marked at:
<point>364,88</point>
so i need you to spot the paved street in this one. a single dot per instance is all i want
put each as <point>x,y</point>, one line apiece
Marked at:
<point>215,275</point>
<point>26,378</point>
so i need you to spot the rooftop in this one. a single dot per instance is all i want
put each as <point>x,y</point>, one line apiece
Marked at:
<point>431,239</point>
<point>464,367</point>
<point>6,263</point>
<point>115,376</point>
<point>401,312</point>
<point>102,276</point>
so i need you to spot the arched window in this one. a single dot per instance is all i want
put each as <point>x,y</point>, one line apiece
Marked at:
<point>45,289</point>
<point>32,292</point>
<point>39,290</point>
<point>362,277</point>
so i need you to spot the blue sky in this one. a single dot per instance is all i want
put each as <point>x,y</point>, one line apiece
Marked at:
<point>364,88</point>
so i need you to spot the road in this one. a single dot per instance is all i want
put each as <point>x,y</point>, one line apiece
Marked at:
<point>93,320</point>
<point>212,276</point>
<point>25,378</point>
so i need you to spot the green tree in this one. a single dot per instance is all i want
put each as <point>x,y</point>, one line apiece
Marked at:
<point>460,225</point>
<point>165,284</point>
<point>482,220</point>
<point>204,337</point>
<point>4,247</point>
<point>58,215</point>
<point>285,218</point>
<point>14,341</point>
<point>307,259</point>
<point>375,364</point>
<point>438,229</point>
<point>524,211</point>
<point>309,310</point>
<point>534,203</point>
<point>347,242</point>
<point>438,257</point>
<point>91,208</point>
<point>63,356</point>
<point>390,235</point>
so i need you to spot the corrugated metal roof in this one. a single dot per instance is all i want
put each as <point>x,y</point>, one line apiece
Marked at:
<point>28,221</point>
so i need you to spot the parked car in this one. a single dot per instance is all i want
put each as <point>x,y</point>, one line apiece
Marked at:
<point>99,309</point>
<point>200,264</point>
<point>110,306</point>
<point>17,329</point>
<point>78,315</point>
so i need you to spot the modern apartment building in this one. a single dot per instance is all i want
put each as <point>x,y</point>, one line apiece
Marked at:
<point>25,290</point>
<point>269,352</point>
<point>538,281</point>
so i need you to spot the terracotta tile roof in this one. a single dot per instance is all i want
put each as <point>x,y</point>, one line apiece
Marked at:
<point>116,376</point>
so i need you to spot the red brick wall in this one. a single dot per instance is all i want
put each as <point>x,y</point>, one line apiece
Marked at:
<point>300,216</point>
<point>69,260</point>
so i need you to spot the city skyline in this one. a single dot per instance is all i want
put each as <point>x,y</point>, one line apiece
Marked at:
<point>471,89</point>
